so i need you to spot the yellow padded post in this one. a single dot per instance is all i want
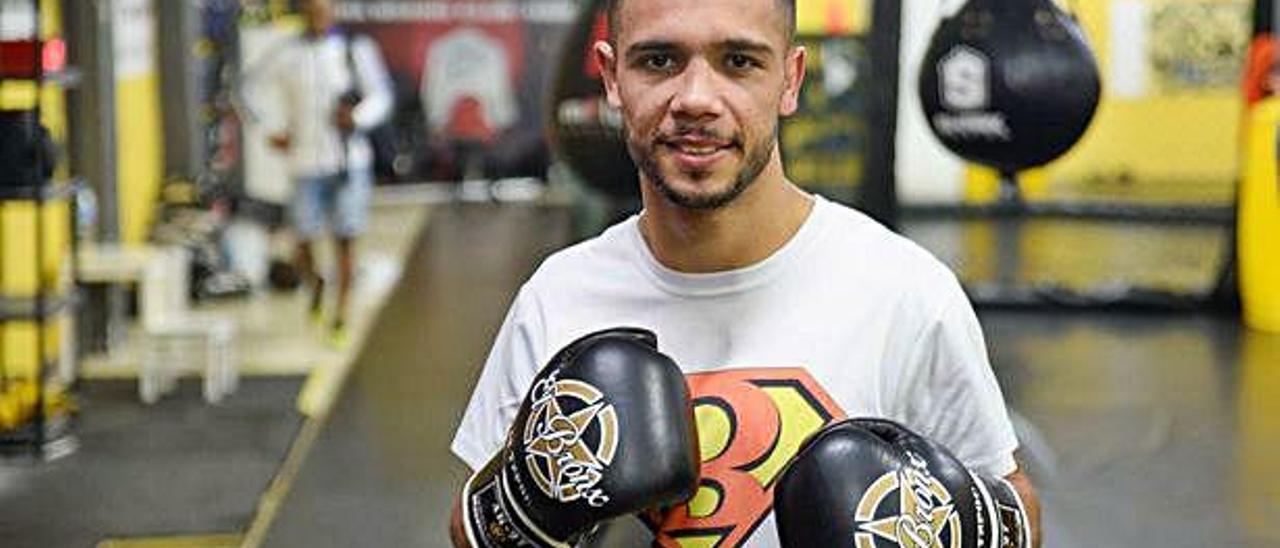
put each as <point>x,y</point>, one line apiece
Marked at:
<point>1258,223</point>
<point>19,344</point>
<point>833,17</point>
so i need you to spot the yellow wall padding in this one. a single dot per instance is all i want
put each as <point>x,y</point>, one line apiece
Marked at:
<point>140,151</point>
<point>982,184</point>
<point>1259,220</point>
<point>18,273</point>
<point>833,16</point>
<point>17,95</point>
<point>20,279</point>
<point>19,276</point>
<point>18,341</point>
<point>51,17</point>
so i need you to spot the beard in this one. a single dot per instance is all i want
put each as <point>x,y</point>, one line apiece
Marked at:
<point>755,158</point>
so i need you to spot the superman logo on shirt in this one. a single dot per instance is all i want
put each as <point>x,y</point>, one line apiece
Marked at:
<point>750,423</point>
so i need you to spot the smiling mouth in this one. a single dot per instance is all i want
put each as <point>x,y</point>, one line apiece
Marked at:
<point>698,145</point>
<point>697,150</point>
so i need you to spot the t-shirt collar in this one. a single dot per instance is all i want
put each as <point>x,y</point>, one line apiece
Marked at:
<point>710,284</point>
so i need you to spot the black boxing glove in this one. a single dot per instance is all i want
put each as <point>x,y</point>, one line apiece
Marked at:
<point>606,430</point>
<point>872,483</point>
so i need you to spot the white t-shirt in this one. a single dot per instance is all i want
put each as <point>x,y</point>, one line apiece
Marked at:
<point>847,319</point>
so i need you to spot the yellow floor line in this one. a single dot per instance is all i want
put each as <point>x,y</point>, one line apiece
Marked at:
<point>315,401</point>
<point>195,541</point>
<point>269,504</point>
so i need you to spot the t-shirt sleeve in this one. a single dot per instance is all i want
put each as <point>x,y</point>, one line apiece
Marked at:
<point>512,363</point>
<point>947,391</point>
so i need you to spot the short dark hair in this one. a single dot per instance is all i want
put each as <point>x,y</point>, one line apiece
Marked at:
<point>789,6</point>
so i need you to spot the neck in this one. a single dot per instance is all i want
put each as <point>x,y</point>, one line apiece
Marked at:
<point>319,31</point>
<point>746,231</point>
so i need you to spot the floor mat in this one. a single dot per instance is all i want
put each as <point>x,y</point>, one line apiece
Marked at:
<point>178,467</point>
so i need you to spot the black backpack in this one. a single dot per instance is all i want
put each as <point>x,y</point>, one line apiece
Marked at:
<point>382,138</point>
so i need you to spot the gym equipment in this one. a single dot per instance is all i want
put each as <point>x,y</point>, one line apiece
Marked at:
<point>21,139</point>
<point>176,338</point>
<point>36,370</point>
<point>606,430</point>
<point>872,482</point>
<point>1258,220</point>
<point>585,131</point>
<point>1011,84</point>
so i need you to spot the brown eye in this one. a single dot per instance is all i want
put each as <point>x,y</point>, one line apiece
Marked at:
<point>738,61</point>
<point>659,61</point>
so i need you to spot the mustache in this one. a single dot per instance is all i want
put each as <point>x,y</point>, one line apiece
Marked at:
<point>696,132</point>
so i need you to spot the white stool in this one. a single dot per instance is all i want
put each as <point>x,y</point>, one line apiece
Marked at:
<point>176,340</point>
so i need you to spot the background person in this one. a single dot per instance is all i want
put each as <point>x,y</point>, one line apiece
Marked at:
<point>333,87</point>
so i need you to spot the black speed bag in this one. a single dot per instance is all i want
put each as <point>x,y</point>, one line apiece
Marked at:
<point>1010,84</point>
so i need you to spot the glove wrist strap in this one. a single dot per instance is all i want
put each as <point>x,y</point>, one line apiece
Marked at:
<point>492,520</point>
<point>1013,526</point>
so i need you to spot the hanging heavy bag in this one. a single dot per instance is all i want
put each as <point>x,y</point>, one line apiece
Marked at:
<point>1010,84</point>
<point>585,133</point>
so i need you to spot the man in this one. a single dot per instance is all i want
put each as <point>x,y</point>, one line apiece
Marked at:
<point>785,311</point>
<point>333,87</point>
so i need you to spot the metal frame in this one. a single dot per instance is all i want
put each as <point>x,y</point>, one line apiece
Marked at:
<point>879,195</point>
<point>41,307</point>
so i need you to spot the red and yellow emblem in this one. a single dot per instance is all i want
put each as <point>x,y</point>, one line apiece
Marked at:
<point>750,423</point>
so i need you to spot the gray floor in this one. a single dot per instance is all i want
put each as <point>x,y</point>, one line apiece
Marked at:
<point>1141,430</point>
<point>180,466</point>
<point>1146,430</point>
<point>381,474</point>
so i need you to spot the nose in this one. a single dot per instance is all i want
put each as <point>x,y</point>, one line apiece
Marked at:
<point>696,96</point>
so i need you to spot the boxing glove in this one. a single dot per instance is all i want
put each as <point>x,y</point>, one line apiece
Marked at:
<point>606,430</point>
<point>872,483</point>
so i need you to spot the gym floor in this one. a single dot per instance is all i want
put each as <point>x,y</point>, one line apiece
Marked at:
<point>1141,429</point>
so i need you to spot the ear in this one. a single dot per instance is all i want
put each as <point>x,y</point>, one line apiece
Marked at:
<point>607,60</point>
<point>793,73</point>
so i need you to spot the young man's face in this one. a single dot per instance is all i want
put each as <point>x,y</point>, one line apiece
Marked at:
<point>318,14</point>
<point>701,85</point>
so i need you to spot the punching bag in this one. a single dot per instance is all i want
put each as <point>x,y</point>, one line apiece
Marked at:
<point>585,132</point>
<point>1010,84</point>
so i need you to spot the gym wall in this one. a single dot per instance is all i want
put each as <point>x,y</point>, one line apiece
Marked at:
<point>832,16</point>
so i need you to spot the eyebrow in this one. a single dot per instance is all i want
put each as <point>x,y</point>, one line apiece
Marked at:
<point>649,46</point>
<point>744,45</point>
<point>732,44</point>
